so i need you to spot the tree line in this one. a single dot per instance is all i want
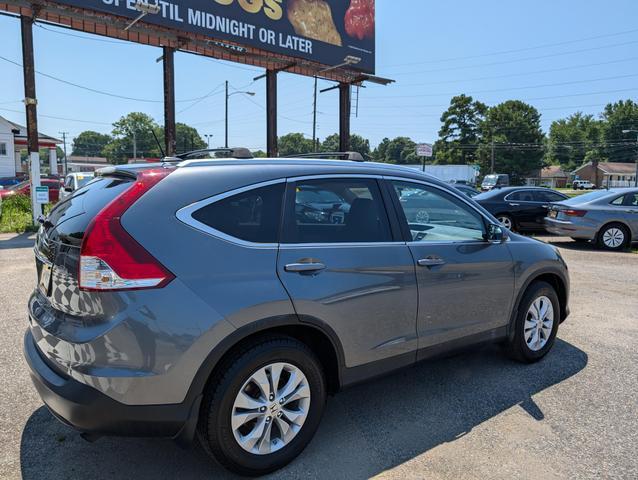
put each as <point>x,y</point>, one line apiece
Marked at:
<point>506,138</point>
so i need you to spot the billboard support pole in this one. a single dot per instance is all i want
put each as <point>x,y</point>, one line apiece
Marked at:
<point>33,147</point>
<point>170,133</point>
<point>271,113</point>
<point>344,117</point>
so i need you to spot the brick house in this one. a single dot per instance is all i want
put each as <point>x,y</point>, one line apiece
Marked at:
<point>610,174</point>
<point>552,176</point>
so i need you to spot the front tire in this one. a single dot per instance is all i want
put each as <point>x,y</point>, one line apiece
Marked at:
<point>536,324</point>
<point>263,407</point>
<point>506,220</point>
<point>614,237</point>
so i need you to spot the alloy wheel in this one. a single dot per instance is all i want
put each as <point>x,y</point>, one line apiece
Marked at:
<point>613,237</point>
<point>270,408</point>
<point>506,222</point>
<point>539,323</point>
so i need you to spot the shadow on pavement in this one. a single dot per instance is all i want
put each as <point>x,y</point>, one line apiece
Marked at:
<point>365,431</point>
<point>18,240</point>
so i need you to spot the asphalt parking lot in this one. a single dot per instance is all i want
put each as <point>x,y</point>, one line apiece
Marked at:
<point>474,415</point>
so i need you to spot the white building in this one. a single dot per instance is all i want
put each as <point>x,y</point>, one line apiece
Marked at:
<point>13,139</point>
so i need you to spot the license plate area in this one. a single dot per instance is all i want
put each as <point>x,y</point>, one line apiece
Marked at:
<point>44,282</point>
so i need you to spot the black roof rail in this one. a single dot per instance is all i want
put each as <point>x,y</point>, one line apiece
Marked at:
<point>352,156</point>
<point>240,153</point>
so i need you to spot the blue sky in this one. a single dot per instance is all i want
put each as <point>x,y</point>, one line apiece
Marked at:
<point>560,56</point>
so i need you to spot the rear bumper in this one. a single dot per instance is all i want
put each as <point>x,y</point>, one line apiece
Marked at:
<point>569,229</point>
<point>90,411</point>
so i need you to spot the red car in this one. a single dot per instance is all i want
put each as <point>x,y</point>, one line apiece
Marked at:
<point>24,188</point>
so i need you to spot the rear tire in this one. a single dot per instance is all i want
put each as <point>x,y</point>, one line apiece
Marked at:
<point>536,324</point>
<point>226,428</point>
<point>614,237</point>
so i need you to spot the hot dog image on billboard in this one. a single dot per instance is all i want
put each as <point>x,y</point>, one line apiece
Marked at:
<point>359,20</point>
<point>321,31</point>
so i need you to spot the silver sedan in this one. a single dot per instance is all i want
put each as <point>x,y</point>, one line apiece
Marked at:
<point>608,218</point>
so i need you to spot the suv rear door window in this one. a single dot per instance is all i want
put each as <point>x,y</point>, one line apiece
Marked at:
<point>336,211</point>
<point>252,216</point>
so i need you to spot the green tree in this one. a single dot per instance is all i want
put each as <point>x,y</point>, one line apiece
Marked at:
<point>188,138</point>
<point>90,144</point>
<point>294,143</point>
<point>133,135</point>
<point>399,150</point>
<point>357,144</point>
<point>459,135</point>
<point>619,116</point>
<point>572,139</point>
<point>514,129</point>
<point>259,154</point>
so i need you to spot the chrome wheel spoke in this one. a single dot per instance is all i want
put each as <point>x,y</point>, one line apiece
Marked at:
<point>265,417</point>
<point>539,323</point>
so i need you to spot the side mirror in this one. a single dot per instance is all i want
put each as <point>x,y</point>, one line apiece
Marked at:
<point>496,233</point>
<point>68,189</point>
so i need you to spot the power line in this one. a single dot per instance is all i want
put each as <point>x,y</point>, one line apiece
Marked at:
<point>511,75</point>
<point>496,90</point>
<point>518,60</point>
<point>518,50</point>
<point>102,92</point>
<point>59,118</point>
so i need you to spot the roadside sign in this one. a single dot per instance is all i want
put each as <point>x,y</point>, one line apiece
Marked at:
<point>42,195</point>
<point>423,150</point>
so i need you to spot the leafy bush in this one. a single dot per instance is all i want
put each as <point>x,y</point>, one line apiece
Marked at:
<point>15,215</point>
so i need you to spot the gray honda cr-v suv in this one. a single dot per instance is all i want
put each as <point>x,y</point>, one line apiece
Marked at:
<point>227,298</point>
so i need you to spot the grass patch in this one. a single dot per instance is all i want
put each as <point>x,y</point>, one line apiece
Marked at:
<point>572,193</point>
<point>16,215</point>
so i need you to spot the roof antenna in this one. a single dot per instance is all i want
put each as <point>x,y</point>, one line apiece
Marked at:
<point>158,143</point>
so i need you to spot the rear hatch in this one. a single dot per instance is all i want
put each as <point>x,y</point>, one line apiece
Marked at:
<point>59,241</point>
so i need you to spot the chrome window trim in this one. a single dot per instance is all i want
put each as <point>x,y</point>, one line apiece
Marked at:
<point>459,196</point>
<point>506,199</point>
<point>185,215</point>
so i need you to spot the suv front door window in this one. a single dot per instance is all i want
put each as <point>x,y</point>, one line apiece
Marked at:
<point>452,256</point>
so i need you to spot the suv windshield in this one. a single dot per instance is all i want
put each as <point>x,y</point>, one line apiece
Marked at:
<point>490,180</point>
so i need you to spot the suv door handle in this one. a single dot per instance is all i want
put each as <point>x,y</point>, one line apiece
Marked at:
<point>431,261</point>
<point>305,267</point>
<point>515,204</point>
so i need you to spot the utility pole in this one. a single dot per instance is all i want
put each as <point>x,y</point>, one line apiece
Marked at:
<point>492,162</point>
<point>31,103</point>
<point>226,129</point>
<point>134,145</point>
<point>314,119</point>
<point>66,165</point>
<point>634,131</point>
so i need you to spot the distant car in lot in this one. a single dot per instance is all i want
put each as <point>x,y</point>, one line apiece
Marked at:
<point>75,181</point>
<point>466,189</point>
<point>182,298</point>
<point>607,217</point>
<point>520,208</point>
<point>6,182</point>
<point>24,188</point>
<point>583,185</point>
<point>495,180</point>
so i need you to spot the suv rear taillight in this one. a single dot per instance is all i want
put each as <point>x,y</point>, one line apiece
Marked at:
<point>110,259</point>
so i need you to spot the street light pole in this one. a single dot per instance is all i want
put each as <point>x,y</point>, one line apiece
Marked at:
<point>228,95</point>
<point>208,137</point>
<point>636,179</point>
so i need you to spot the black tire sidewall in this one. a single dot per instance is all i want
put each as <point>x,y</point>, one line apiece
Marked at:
<point>536,290</point>
<point>221,439</point>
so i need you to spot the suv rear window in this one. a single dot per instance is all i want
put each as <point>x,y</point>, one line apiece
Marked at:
<point>252,216</point>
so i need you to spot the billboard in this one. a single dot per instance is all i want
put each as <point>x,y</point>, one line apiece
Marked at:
<point>324,31</point>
